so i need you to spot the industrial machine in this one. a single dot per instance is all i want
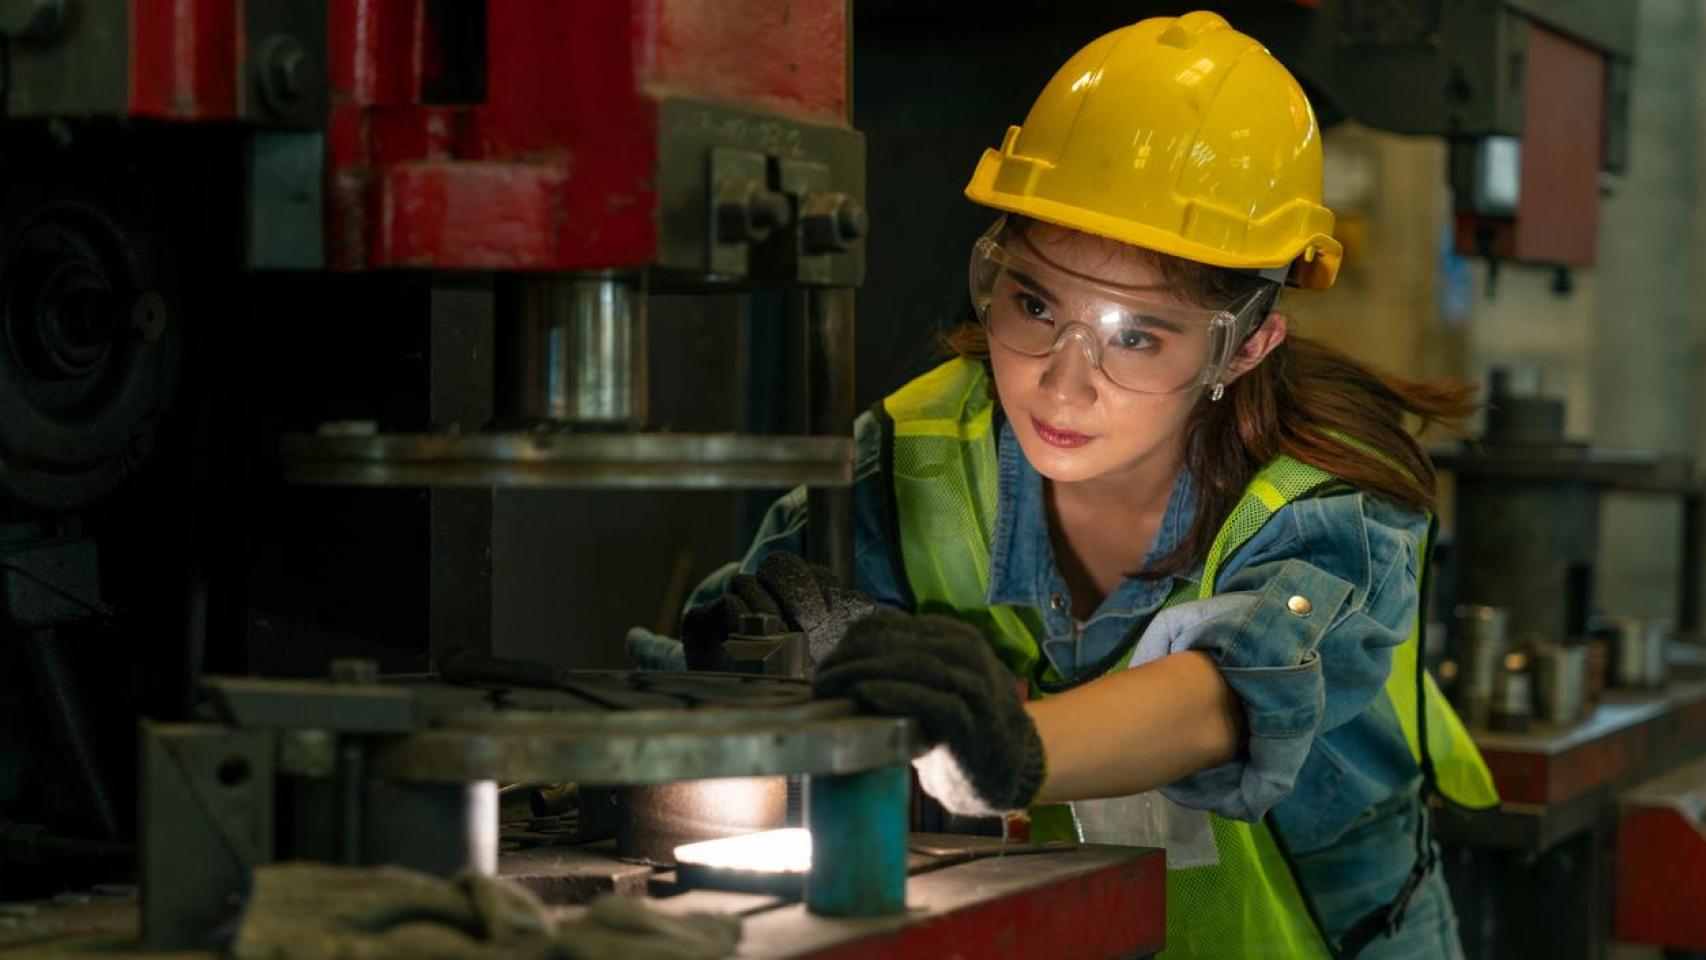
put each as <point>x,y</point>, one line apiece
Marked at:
<point>290,290</point>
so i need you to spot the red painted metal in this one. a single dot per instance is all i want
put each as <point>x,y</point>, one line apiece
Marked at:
<point>791,56</point>
<point>371,51</point>
<point>570,117</point>
<point>184,58</point>
<point>1661,863</point>
<point>570,120</point>
<point>1117,911</point>
<point>469,215</point>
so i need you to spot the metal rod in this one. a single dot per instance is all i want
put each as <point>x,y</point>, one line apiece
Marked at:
<point>352,796</point>
<point>829,406</point>
<point>858,823</point>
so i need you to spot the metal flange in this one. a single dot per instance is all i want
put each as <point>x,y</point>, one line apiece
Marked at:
<point>597,460</point>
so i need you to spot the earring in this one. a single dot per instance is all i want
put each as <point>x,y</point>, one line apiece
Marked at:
<point>1218,392</point>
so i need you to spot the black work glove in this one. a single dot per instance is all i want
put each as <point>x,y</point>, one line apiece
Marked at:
<point>803,595</point>
<point>986,757</point>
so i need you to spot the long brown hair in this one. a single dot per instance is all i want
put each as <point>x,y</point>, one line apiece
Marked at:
<point>1301,401</point>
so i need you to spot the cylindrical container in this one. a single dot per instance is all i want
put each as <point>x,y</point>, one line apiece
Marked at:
<point>1656,664</point>
<point>1560,674</point>
<point>1481,643</point>
<point>1593,688</point>
<point>1513,699</point>
<point>1628,659</point>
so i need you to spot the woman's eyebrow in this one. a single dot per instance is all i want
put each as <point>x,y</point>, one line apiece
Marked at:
<point>1027,280</point>
<point>1149,320</point>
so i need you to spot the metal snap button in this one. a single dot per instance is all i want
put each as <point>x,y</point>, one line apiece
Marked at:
<point>1300,605</point>
<point>1057,603</point>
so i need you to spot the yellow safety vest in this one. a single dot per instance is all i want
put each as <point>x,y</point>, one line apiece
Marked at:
<point>942,463</point>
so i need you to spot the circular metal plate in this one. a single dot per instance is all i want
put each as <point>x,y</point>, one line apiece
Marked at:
<point>553,752</point>
<point>628,460</point>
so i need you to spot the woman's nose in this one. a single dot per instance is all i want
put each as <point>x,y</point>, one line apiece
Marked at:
<point>1069,375</point>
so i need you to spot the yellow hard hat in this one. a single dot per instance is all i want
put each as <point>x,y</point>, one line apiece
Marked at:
<point>1179,134</point>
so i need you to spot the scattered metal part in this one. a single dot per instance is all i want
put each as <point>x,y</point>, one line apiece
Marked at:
<point>636,461</point>
<point>569,875</point>
<point>554,799</point>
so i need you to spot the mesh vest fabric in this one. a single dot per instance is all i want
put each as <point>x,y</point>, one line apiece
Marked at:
<point>943,467</point>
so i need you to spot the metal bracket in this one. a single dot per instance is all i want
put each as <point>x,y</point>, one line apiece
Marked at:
<point>207,818</point>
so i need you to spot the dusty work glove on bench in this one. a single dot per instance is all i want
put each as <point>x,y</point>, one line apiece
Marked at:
<point>986,757</point>
<point>805,596</point>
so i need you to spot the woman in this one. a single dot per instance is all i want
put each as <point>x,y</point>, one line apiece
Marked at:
<point>1195,538</point>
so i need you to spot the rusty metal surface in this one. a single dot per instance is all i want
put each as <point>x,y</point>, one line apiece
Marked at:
<point>637,460</point>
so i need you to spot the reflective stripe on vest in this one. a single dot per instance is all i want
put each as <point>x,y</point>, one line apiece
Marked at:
<point>943,468</point>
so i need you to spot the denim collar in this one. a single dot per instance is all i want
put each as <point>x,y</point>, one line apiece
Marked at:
<point>1022,568</point>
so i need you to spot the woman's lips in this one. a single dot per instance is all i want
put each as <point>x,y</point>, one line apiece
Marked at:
<point>1056,437</point>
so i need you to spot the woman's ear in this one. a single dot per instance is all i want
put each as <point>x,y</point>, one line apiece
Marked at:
<point>1256,346</point>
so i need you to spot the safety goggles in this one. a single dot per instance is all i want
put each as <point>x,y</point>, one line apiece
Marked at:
<point>1137,338</point>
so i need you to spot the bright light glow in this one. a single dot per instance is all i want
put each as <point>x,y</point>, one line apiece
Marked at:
<point>769,851</point>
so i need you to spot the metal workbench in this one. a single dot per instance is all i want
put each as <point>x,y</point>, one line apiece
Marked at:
<point>1077,904</point>
<point>1534,876</point>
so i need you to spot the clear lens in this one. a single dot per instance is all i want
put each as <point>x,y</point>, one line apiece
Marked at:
<point>1139,342</point>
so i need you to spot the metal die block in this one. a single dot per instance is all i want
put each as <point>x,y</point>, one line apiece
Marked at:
<point>736,190</point>
<point>858,823</point>
<point>206,818</point>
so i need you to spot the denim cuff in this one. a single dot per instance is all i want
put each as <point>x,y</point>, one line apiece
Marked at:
<point>1267,653</point>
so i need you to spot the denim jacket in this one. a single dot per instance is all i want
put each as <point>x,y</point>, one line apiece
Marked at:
<point>1323,747</point>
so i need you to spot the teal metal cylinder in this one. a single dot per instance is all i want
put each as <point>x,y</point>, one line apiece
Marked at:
<point>858,823</point>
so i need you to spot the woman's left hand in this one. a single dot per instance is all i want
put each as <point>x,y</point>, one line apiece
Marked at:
<point>986,757</point>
